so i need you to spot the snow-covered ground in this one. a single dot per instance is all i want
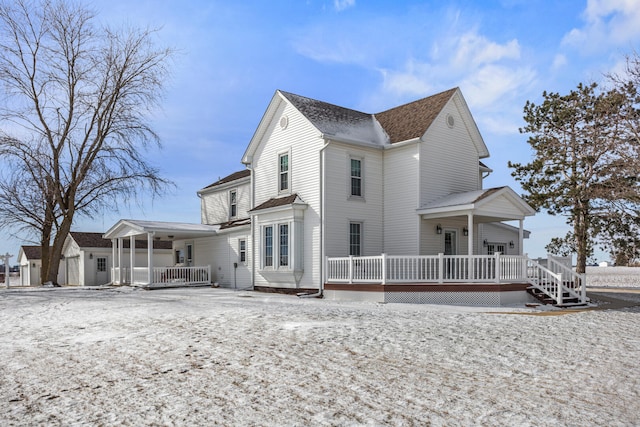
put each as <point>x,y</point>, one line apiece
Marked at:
<point>613,276</point>
<point>206,356</point>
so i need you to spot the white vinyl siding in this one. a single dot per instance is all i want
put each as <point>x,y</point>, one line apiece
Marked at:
<point>449,159</point>
<point>303,144</point>
<point>341,208</point>
<point>401,200</point>
<point>215,206</point>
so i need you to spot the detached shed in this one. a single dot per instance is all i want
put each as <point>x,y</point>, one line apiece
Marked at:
<point>30,261</point>
<point>88,257</point>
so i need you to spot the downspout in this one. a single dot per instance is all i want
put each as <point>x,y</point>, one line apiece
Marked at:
<point>252,196</point>
<point>320,292</point>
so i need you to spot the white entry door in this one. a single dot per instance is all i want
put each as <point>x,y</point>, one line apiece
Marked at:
<point>102,270</point>
<point>450,242</point>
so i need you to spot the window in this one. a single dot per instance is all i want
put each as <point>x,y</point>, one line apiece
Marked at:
<point>268,246</point>
<point>284,245</point>
<point>356,177</point>
<point>233,204</point>
<point>355,238</point>
<point>492,248</point>
<point>101,264</point>
<point>242,250</point>
<point>189,254</point>
<point>283,161</point>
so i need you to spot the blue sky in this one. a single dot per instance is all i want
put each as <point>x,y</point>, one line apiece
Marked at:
<point>365,55</point>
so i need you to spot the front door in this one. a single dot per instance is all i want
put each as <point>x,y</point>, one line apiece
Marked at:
<point>450,242</point>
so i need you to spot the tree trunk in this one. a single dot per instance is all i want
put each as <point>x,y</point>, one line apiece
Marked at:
<point>581,232</point>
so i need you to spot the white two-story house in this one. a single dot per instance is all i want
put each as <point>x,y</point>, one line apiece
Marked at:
<point>330,195</point>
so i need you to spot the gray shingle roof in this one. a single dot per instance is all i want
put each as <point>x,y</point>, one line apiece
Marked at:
<point>275,202</point>
<point>229,178</point>
<point>398,124</point>
<point>95,240</point>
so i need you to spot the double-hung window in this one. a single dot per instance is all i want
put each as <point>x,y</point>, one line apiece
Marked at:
<point>283,172</point>
<point>276,243</point>
<point>268,246</point>
<point>355,238</point>
<point>284,245</point>
<point>242,250</point>
<point>233,203</point>
<point>356,177</point>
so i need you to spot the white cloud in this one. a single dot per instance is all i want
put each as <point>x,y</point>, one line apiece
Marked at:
<point>608,23</point>
<point>559,61</point>
<point>486,70</point>
<point>341,5</point>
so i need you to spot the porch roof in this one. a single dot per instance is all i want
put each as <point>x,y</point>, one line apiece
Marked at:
<point>487,205</point>
<point>162,230</point>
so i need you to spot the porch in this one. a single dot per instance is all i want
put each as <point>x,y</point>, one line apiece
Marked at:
<point>463,274</point>
<point>163,276</point>
<point>145,268</point>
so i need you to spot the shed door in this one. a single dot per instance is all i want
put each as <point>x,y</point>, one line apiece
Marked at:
<point>102,270</point>
<point>73,270</point>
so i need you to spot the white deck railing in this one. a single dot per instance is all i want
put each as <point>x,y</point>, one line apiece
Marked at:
<point>427,268</point>
<point>556,279</point>
<point>163,275</point>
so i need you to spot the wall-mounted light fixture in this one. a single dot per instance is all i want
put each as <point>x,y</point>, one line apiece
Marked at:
<point>438,229</point>
<point>465,231</point>
<point>485,243</point>
<point>512,245</point>
<point>90,256</point>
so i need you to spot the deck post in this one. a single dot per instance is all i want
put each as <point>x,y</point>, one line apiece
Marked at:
<point>440,267</point>
<point>350,269</point>
<point>132,257</point>
<point>150,235</point>
<point>498,267</point>
<point>121,277</point>
<point>384,268</point>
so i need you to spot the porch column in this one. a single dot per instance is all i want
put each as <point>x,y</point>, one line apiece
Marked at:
<point>470,233</point>
<point>132,257</point>
<point>472,265</point>
<point>521,237</point>
<point>114,243</point>
<point>121,278</point>
<point>150,235</point>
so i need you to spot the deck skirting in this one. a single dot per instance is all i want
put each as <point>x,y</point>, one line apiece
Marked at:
<point>450,293</point>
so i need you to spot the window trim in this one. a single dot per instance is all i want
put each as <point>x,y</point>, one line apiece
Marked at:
<point>360,245</point>
<point>242,250</point>
<point>284,245</point>
<point>233,203</point>
<point>267,256</point>
<point>280,173</point>
<point>351,177</point>
<point>277,260</point>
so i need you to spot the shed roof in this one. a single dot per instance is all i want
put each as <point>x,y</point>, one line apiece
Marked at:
<point>95,240</point>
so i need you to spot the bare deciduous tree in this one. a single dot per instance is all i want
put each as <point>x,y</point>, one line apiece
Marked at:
<point>74,121</point>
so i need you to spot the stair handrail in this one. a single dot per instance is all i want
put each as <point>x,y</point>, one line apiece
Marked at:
<point>555,290</point>
<point>579,278</point>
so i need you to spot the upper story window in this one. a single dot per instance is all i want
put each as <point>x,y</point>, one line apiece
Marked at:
<point>356,177</point>
<point>283,172</point>
<point>233,203</point>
